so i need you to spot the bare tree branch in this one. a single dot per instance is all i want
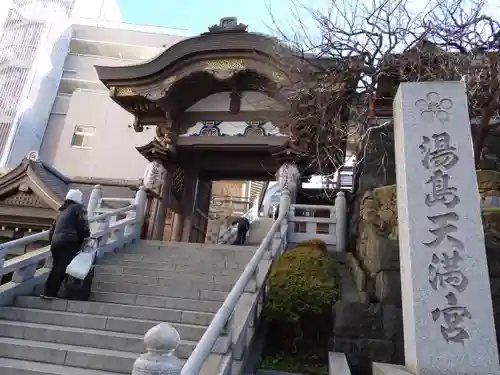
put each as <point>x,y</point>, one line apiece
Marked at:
<point>349,57</point>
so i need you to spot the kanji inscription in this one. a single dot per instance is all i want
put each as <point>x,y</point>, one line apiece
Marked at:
<point>439,157</point>
<point>448,319</point>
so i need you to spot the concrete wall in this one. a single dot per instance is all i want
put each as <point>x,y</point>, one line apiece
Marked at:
<point>112,153</point>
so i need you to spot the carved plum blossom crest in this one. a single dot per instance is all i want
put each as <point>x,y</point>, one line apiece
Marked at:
<point>434,107</point>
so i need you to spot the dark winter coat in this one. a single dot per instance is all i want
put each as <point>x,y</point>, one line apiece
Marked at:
<point>70,224</point>
<point>243,224</point>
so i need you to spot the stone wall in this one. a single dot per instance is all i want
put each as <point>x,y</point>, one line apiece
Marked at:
<point>376,253</point>
<point>375,262</point>
<point>376,167</point>
<point>372,330</point>
<point>366,333</point>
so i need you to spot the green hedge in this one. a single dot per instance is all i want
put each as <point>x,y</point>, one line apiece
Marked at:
<point>302,291</point>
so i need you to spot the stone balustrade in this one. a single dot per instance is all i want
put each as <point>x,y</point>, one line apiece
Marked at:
<point>225,343</point>
<point>111,230</point>
<point>326,223</point>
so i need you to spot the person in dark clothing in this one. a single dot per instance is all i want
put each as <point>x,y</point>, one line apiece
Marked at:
<point>66,236</point>
<point>243,227</point>
<point>277,213</point>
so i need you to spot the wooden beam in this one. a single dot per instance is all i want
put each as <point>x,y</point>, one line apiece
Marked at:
<point>28,212</point>
<point>239,175</point>
<point>227,143</point>
<point>9,221</point>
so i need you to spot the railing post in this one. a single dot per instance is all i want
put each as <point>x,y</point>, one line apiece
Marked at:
<point>140,202</point>
<point>95,196</point>
<point>341,224</point>
<point>285,203</point>
<point>161,342</point>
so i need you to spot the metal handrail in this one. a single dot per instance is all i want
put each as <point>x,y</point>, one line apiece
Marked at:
<point>204,348</point>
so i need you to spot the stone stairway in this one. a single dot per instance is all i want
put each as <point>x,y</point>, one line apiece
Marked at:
<point>258,230</point>
<point>134,290</point>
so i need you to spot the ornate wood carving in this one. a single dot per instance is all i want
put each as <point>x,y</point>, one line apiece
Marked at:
<point>278,77</point>
<point>157,92</point>
<point>255,128</point>
<point>228,24</point>
<point>178,181</point>
<point>123,91</point>
<point>224,68</point>
<point>22,198</point>
<point>166,136</point>
<point>138,127</point>
<point>141,108</point>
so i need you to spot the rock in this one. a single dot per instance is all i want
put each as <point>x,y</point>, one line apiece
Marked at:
<point>380,252</point>
<point>388,287</point>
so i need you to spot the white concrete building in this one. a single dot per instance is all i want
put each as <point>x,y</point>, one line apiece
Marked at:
<point>48,83</point>
<point>34,40</point>
<point>85,125</point>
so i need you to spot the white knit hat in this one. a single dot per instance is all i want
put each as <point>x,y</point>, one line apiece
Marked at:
<point>74,195</point>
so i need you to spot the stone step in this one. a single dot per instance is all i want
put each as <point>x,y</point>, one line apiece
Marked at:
<point>189,332</point>
<point>10,366</point>
<point>59,354</point>
<point>177,263</point>
<point>117,310</point>
<point>190,258</point>
<point>163,282</point>
<point>205,249</point>
<point>230,276</point>
<point>192,246</point>
<point>157,301</point>
<point>120,287</point>
<point>83,337</point>
<point>211,269</point>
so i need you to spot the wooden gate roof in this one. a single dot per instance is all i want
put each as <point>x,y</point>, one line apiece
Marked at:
<point>34,190</point>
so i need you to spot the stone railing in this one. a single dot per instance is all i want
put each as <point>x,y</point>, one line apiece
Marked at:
<point>490,204</point>
<point>112,230</point>
<point>326,223</point>
<point>224,346</point>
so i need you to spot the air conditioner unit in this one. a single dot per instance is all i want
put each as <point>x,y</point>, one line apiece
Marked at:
<point>33,155</point>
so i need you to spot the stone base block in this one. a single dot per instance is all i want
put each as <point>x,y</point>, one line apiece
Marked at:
<point>357,272</point>
<point>388,369</point>
<point>388,287</point>
<point>367,320</point>
<point>381,252</point>
<point>337,364</point>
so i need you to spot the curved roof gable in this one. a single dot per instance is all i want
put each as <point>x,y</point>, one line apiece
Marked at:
<point>220,39</point>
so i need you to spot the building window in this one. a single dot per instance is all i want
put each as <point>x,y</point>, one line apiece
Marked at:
<point>83,137</point>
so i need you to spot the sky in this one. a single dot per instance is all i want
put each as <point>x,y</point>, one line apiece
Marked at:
<point>198,15</point>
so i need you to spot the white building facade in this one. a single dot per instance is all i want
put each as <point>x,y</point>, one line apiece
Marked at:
<point>88,134</point>
<point>34,41</point>
<point>47,52</point>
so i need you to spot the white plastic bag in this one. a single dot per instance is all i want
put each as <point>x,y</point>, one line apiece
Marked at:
<point>80,265</point>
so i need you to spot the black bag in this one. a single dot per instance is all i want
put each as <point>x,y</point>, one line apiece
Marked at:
<point>76,289</point>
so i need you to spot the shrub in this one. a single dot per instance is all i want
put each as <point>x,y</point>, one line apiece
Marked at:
<point>320,245</point>
<point>302,290</point>
<point>301,283</point>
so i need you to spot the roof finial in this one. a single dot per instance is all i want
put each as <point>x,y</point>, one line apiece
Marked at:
<point>228,24</point>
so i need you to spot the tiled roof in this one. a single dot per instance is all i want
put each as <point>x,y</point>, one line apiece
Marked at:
<point>57,185</point>
<point>52,179</point>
